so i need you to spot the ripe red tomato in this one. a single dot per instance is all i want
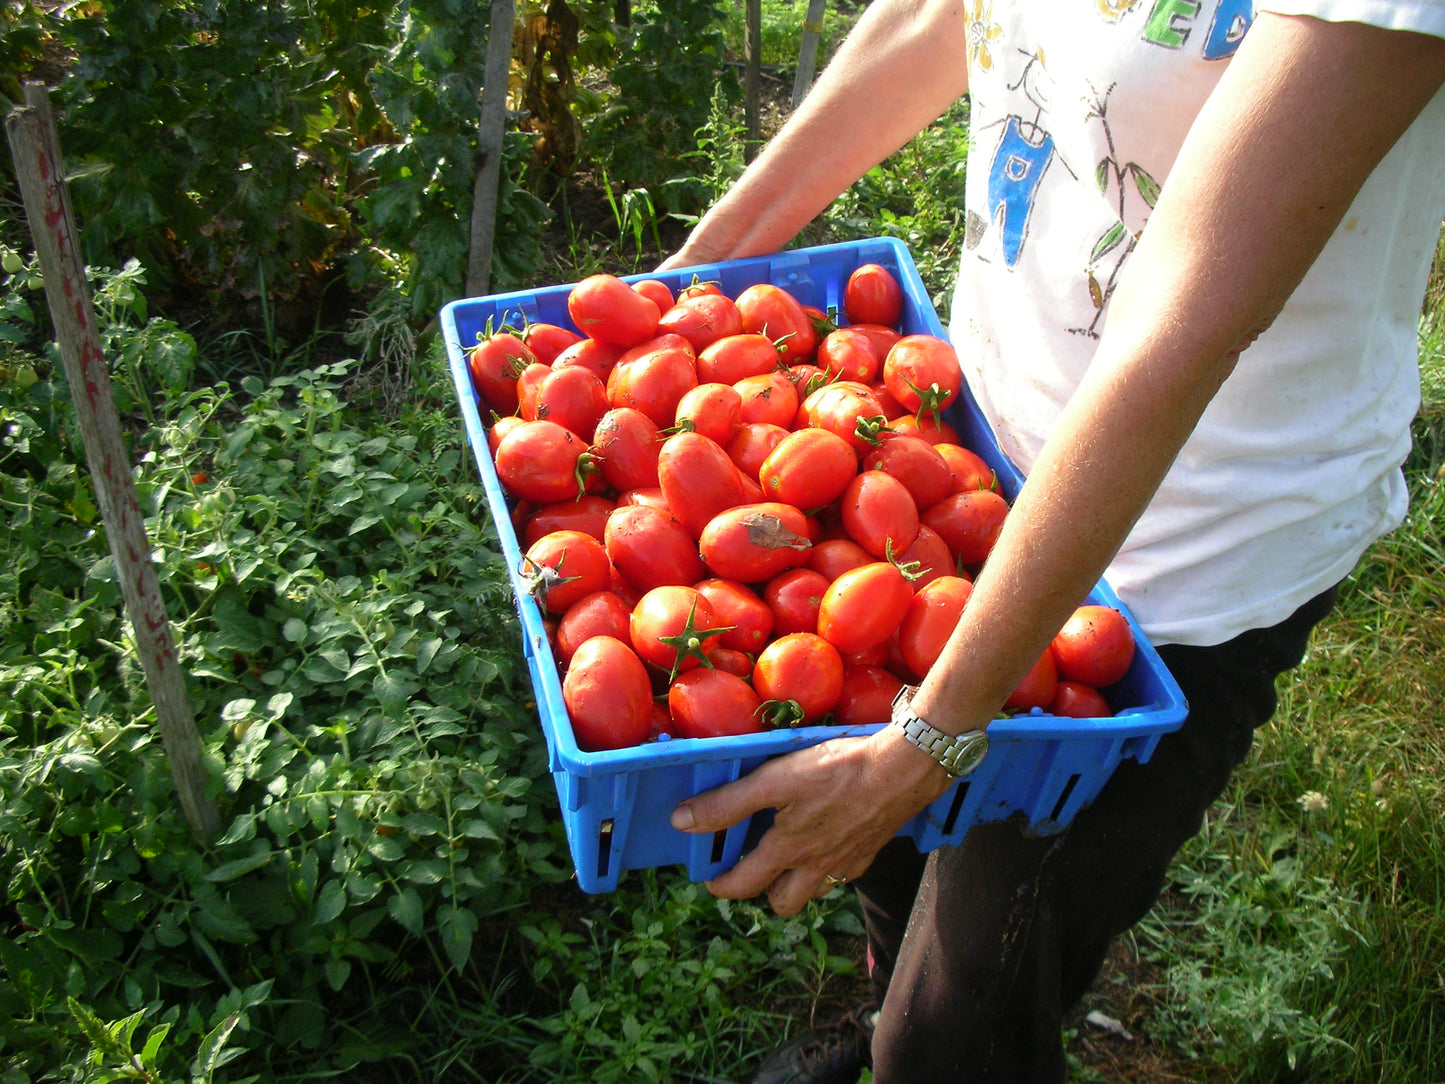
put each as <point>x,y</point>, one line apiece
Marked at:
<point>732,662</point>
<point>864,606</point>
<point>565,566</point>
<point>747,618</point>
<point>1075,700</point>
<point>699,286</point>
<point>596,357</point>
<point>572,397</point>
<point>770,310</point>
<point>546,341</point>
<point>495,363</point>
<point>809,468</point>
<point>794,597</point>
<point>587,513</point>
<point>733,357</point>
<point>650,547</point>
<point>848,354</point>
<point>713,703</point>
<point>1037,688</point>
<point>913,461</point>
<point>753,444</point>
<point>927,426</point>
<point>540,461</point>
<point>649,496</point>
<point>969,523</point>
<point>969,470</point>
<point>930,621</point>
<point>605,308</point>
<point>1095,646</point>
<point>931,556</point>
<point>627,443</point>
<point>883,335</point>
<point>698,480</point>
<point>664,341</point>
<point>499,429</point>
<point>872,295</point>
<point>659,292</point>
<point>754,542</point>
<point>602,613</point>
<point>879,514</point>
<point>846,408</point>
<point>799,677</point>
<point>702,319</point>
<point>608,695</point>
<point>653,383</point>
<point>867,696</point>
<point>767,397</point>
<point>674,628</point>
<point>835,556</point>
<point>923,374</point>
<point>714,410</point>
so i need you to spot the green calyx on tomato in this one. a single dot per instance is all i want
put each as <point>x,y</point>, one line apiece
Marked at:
<point>870,429</point>
<point>783,713</point>
<point>688,642</point>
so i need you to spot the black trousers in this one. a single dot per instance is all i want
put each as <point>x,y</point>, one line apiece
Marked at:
<point>977,951</point>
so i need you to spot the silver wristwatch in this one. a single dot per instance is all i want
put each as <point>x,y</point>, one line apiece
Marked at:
<point>958,753</point>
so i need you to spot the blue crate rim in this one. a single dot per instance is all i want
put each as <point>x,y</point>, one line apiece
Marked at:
<point>1162,715</point>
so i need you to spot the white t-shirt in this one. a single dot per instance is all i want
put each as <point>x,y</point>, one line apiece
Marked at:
<point>1077,112</point>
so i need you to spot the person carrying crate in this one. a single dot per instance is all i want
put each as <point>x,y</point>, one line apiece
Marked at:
<point>1197,240</point>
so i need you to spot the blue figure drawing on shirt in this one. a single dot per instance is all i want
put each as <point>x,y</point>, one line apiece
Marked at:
<point>1020,160</point>
<point>1014,176</point>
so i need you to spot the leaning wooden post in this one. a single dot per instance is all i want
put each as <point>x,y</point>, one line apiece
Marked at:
<point>36,152</point>
<point>808,53</point>
<point>491,131</point>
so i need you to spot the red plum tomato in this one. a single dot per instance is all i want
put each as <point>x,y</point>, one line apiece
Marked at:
<point>649,547</point>
<point>608,695</point>
<point>800,675</point>
<point>713,704</point>
<point>602,613</point>
<point>1095,646</point>
<point>605,308</point>
<point>565,565</point>
<point>873,295</point>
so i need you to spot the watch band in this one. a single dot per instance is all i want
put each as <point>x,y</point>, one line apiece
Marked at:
<point>959,754</point>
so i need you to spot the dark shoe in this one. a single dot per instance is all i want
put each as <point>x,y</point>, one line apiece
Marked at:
<point>833,1055</point>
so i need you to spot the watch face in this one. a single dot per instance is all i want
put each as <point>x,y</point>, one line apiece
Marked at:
<point>966,754</point>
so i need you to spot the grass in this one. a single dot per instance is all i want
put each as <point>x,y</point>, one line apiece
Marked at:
<point>1308,939</point>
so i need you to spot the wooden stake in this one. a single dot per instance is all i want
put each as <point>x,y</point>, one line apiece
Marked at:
<point>491,130</point>
<point>35,149</point>
<point>808,53</point>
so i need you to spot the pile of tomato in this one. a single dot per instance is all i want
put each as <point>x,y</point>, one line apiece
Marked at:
<point>741,512</point>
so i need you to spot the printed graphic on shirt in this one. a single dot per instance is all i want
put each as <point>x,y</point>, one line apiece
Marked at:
<point>1026,153</point>
<point>1171,23</point>
<point>1120,181</point>
<point>1017,167</point>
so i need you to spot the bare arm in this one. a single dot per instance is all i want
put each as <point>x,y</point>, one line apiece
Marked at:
<point>896,73</point>
<point>1304,113</point>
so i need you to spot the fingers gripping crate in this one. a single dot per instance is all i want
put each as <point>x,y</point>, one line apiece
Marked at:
<point>615,804</point>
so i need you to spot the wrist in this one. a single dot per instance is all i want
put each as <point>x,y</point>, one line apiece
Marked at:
<point>957,752</point>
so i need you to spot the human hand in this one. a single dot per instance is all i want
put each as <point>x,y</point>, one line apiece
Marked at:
<point>837,803</point>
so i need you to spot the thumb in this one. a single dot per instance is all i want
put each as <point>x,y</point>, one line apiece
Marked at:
<point>721,808</point>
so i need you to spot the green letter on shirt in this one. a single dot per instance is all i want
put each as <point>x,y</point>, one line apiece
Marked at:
<point>1162,28</point>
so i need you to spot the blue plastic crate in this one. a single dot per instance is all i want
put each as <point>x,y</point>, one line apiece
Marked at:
<point>615,804</point>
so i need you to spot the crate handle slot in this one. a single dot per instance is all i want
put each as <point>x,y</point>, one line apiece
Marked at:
<point>955,807</point>
<point>1064,796</point>
<point>719,842</point>
<point>604,848</point>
